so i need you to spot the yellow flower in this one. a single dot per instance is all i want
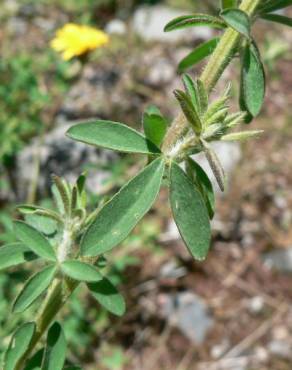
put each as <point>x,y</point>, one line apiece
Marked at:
<point>74,40</point>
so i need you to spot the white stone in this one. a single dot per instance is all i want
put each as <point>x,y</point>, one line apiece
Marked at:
<point>149,22</point>
<point>116,26</point>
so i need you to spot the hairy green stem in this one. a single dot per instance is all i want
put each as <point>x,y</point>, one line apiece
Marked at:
<point>58,294</point>
<point>217,63</point>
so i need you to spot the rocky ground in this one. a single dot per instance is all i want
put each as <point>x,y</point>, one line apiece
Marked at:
<point>234,310</point>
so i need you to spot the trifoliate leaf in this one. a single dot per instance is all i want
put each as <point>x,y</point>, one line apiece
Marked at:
<point>33,288</point>
<point>34,240</point>
<point>198,54</point>
<point>18,345</point>
<point>108,296</point>
<point>238,20</point>
<point>190,213</point>
<point>81,271</point>
<point>122,213</point>
<point>112,135</point>
<point>194,20</point>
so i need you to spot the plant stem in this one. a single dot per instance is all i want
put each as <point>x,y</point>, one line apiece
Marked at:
<point>218,62</point>
<point>57,296</point>
<point>61,290</point>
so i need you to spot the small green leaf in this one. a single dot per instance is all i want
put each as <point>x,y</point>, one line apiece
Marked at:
<point>252,80</point>
<point>154,125</point>
<point>35,362</point>
<point>274,5</point>
<point>203,96</point>
<point>18,345</point>
<point>81,271</point>
<point>243,135</point>
<point>73,368</point>
<point>238,20</point>
<point>194,20</point>
<point>278,19</point>
<point>34,240</point>
<point>234,119</point>
<point>189,110</point>
<point>13,254</point>
<point>215,165</point>
<point>192,90</point>
<point>217,117</point>
<point>108,296</point>
<point>55,354</point>
<point>190,213</point>
<point>198,54</point>
<point>28,209</point>
<point>112,135</point>
<point>81,182</point>
<point>228,4</point>
<point>121,214</point>
<point>62,194</point>
<point>204,185</point>
<point>33,288</point>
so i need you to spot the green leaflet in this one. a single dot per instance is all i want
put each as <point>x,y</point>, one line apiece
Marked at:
<point>121,214</point>
<point>242,135</point>
<point>13,254</point>
<point>108,296</point>
<point>34,240</point>
<point>203,96</point>
<point>192,91</point>
<point>252,80</point>
<point>35,361</point>
<point>81,271</point>
<point>238,20</point>
<point>43,224</point>
<point>204,185</point>
<point>228,4</point>
<point>112,135</point>
<point>28,209</point>
<point>18,345</point>
<point>55,353</point>
<point>190,213</point>
<point>194,20</point>
<point>278,19</point>
<point>155,125</point>
<point>215,165</point>
<point>189,110</point>
<point>33,288</point>
<point>274,5</point>
<point>198,54</point>
<point>62,194</point>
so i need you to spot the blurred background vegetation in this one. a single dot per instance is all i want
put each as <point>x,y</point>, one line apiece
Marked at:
<point>232,312</point>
